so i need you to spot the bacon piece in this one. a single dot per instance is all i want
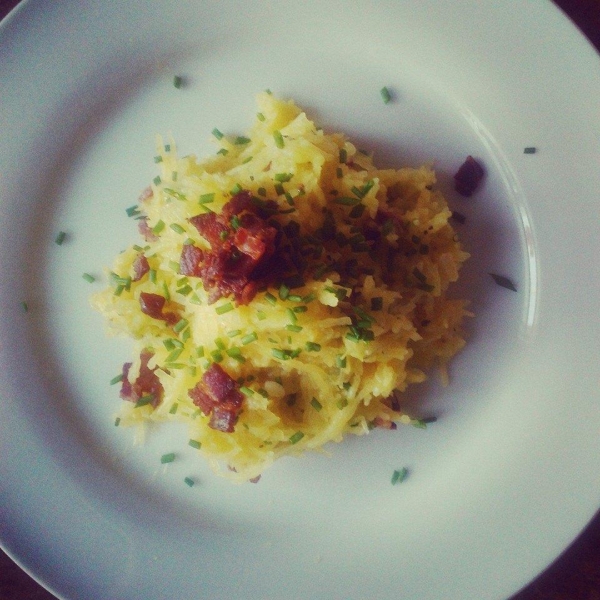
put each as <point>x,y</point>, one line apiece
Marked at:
<point>384,423</point>
<point>189,263</point>
<point>153,305</point>
<point>218,395</point>
<point>241,245</point>
<point>140,267</point>
<point>467,178</point>
<point>146,384</point>
<point>145,231</point>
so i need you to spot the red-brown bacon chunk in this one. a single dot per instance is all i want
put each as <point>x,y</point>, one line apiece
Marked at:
<point>153,305</point>
<point>140,267</point>
<point>145,385</point>
<point>467,178</point>
<point>218,395</point>
<point>241,244</point>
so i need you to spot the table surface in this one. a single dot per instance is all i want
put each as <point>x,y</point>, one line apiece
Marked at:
<point>574,576</point>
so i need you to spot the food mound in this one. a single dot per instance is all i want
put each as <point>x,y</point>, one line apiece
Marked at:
<point>285,292</point>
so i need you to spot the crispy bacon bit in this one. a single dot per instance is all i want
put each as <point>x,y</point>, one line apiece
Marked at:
<point>241,244</point>
<point>384,423</point>
<point>218,395</point>
<point>467,178</point>
<point>140,267</point>
<point>146,384</point>
<point>153,305</point>
<point>146,231</point>
<point>189,263</point>
<point>145,195</point>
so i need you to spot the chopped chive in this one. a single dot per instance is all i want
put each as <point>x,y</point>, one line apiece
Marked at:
<point>283,177</point>
<point>200,351</point>
<point>284,291</point>
<point>312,347</point>
<point>342,403</point>
<point>280,354</point>
<point>246,391</point>
<point>224,308</point>
<point>261,314</point>
<point>180,325</point>
<point>347,200</point>
<point>167,147</point>
<point>240,140</point>
<point>340,361</point>
<point>343,155</point>
<point>248,339</point>
<point>177,228</point>
<point>385,95</point>
<point>504,282</point>
<point>300,309</point>
<point>339,173</point>
<point>25,306</point>
<point>294,439</point>
<point>173,409</point>
<point>160,225</point>
<point>316,404</point>
<point>117,421</point>
<point>223,151</point>
<point>236,189</point>
<point>146,399</point>
<point>206,198</point>
<point>177,81</point>
<point>158,159</point>
<point>157,180</point>
<point>220,344</point>
<point>195,444</point>
<point>167,458</point>
<point>270,298</point>
<point>236,354</point>
<point>399,475</point>
<point>234,333</point>
<point>262,191</point>
<point>185,290</point>
<point>530,150</point>
<point>295,328</point>
<point>89,278</point>
<point>279,189</point>
<point>116,379</point>
<point>260,116</point>
<point>216,356</point>
<point>189,482</point>
<point>60,238</point>
<point>217,133</point>
<point>235,222</point>
<point>292,315</point>
<point>174,355</point>
<point>278,139</point>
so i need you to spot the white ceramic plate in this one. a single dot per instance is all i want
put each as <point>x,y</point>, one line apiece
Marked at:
<point>507,476</point>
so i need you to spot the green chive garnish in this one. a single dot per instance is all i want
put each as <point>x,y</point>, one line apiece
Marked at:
<point>236,354</point>
<point>180,325</point>
<point>189,482</point>
<point>89,278</point>
<point>399,475</point>
<point>116,379</point>
<point>195,444</point>
<point>177,81</point>
<point>312,347</point>
<point>530,150</point>
<point>224,308</point>
<point>160,225</point>
<point>246,391</point>
<point>25,306</point>
<point>248,339</point>
<point>147,399</point>
<point>177,228</point>
<point>117,421</point>
<point>240,140</point>
<point>167,458</point>
<point>278,139</point>
<point>316,404</point>
<point>385,95</point>
<point>217,133</point>
<point>260,116</point>
<point>206,198</point>
<point>294,439</point>
<point>60,238</point>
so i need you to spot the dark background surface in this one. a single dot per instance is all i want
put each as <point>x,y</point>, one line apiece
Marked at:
<point>574,576</point>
